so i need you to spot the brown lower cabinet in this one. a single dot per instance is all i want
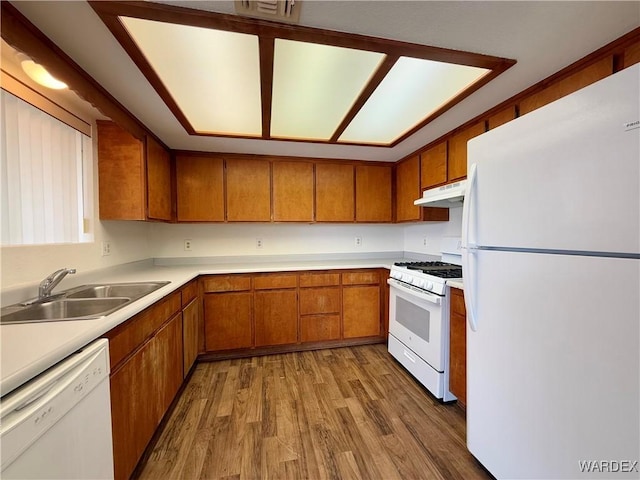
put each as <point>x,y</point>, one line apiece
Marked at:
<point>144,383</point>
<point>290,309</point>
<point>228,320</point>
<point>190,325</point>
<point>458,347</point>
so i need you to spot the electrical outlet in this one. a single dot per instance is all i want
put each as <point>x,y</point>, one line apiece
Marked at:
<point>358,241</point>
<point>188,244</point>
<point>106,248</point>
<point>259,243</point>
<point>425,243</point>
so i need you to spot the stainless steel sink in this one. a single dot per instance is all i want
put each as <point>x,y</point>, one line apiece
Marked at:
<point>65,309</point>
<point>80,303</point>
<point>131,290</point>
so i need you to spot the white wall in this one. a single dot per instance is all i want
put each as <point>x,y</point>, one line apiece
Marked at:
<point>211,240</point>
<point>414,234</point>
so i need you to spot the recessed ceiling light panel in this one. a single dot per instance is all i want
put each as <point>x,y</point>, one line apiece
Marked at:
<point>314,86</point>
<point>213,75</point>
<point>411,92</point>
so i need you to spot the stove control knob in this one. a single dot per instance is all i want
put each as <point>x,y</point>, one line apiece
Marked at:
<point>420,283</point>
<point>428,285</point>
<point>406,278</point>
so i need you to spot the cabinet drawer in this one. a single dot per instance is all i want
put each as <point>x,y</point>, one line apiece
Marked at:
<point>317,328</point>
<point>270,282</point>
<point>319,300</point>
<point>319,279</point>
<point>189,292</point>
<point>457,302</point>
<point>361,278</point>
<point>226,283</point>
<point>125,338</point>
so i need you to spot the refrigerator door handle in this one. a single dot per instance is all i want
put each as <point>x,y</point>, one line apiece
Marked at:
<point>469,248</point>
<point>467,206</point>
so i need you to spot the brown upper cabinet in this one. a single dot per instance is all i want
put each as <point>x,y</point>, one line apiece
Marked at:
<point>582,78</point>
<point>134,176</point>
<point>335,192</point>
<point>632,55</point>
<point>292,191</point>
<point>373,193</point>
<point>457,155</point>
<point>434,166</point>
<point>408,189</point>
<point>248,190</point>
<point>200,188</point>
<point>501,117</point>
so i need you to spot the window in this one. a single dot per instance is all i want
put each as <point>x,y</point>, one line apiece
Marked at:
<point>45,177</point>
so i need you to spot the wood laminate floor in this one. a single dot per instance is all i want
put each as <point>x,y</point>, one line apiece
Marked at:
<point>345,413</point>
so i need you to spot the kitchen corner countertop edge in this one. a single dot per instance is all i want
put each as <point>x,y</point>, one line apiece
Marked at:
<point>455,284</point>
<point>28,349</point>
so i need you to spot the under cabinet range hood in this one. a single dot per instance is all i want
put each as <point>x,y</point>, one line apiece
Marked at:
<point>447,196</point>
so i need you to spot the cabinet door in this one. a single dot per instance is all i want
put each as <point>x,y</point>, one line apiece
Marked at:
<point>457,160</point>
<point>373,193</point>
<point>132,417</point>
<point>408,190</point>
<point>142,390</point>
<point>586,76</point>
<point>200,188</point>
<point>319,300</point>
<point>631,55</point>
<point>167,362</point>
<point>361,311</point>
<point>292,191</point>
<point>248,190</point>
<point>121,174</point>
<point>434,166</point>
<point>335,193</point>
<point>458,347</point>
<point>501,117</point>
<point>227,321</point>
<point>276,317</point>
<point>190,337</point>
<point>319,328</point>
<point>158,181</point>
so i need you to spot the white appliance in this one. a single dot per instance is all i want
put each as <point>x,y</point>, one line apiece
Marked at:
<point>447,196</point>
<point>419,317</point>
<point>58,426</point>
<point>551,262</point>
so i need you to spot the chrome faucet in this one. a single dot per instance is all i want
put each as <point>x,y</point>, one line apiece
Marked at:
<point>51,281</point>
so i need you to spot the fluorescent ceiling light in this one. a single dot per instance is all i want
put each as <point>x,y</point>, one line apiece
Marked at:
<point>213,75</point>
<point>413,90</point>
<point>227,75</point>
<point>40,75</point>
<point>314,86</point>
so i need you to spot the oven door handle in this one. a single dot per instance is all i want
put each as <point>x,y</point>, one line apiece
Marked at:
<point>421,294</point>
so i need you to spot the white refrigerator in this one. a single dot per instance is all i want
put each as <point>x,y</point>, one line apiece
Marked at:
<point>551,266</point>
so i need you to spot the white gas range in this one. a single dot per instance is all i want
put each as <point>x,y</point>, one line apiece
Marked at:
<point>419,317</point>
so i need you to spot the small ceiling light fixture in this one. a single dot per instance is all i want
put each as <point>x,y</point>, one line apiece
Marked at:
<point>39,74</point>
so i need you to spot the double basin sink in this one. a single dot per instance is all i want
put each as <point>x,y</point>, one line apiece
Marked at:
<point>85,302</point>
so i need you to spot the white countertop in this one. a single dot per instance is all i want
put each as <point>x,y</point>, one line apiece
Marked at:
<point>455,284</point>
<point>28,349</point>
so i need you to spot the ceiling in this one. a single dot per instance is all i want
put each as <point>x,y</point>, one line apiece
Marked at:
<point>543,37</point>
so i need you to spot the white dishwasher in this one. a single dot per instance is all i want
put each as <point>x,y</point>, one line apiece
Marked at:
<point>58,425</point>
